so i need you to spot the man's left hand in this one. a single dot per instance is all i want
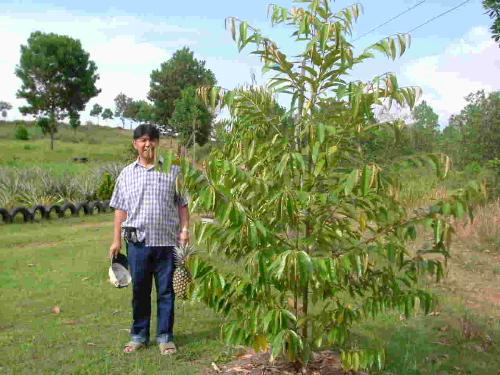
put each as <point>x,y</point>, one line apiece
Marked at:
<point>183,238</point>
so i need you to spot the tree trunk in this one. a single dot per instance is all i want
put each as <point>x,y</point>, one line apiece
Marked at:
<point>51,140</point>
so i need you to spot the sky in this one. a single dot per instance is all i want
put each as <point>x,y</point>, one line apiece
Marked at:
<point>449,57</point>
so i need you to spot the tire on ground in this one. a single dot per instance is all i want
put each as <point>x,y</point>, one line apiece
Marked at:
<point>68,206</point>
<point>5,215</point>
<point>24,211</point>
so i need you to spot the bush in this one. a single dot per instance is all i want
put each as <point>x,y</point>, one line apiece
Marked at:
<point>21,133</point>
<point>106,187</point>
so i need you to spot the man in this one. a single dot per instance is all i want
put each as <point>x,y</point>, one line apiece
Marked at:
<point>154,219</point>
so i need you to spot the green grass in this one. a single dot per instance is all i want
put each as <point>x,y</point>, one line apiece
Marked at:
<point>63,262</point>
<point>99,144</point>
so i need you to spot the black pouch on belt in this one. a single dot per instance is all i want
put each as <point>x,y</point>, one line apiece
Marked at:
<point>130,234</point>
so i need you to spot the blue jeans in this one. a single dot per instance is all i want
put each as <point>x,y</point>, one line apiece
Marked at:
<point>146,262</point>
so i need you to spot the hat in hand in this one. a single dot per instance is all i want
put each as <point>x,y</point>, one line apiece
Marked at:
<point>118,272</point>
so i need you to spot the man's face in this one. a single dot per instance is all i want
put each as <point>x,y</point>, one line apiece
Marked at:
<point>146,147</point>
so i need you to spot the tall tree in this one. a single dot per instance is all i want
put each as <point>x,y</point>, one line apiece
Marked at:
<point>180,71</point>
<point>4,108</point>
<point>122,101</point>
<point>96,111</point>
<point>191,118</point>
<point>57,77</point>
<point>425,128</point>
<point>107,114</point>
<point>493,10</point>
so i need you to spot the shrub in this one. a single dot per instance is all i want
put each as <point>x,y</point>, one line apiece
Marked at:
<point>106,187</point>
<point>21,133</point>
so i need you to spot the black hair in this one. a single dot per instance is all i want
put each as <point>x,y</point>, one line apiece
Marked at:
<point>147,129</point>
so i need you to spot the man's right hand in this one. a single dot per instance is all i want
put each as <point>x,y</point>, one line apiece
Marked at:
<point>114,249</point>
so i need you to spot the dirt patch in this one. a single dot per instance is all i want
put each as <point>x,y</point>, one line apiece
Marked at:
<point>250,363</point>
<point>473,272</point>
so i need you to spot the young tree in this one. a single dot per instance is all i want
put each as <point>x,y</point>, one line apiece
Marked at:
<point>57,77</point>
<point>96,111</point>
<point>4,108</point>
<point>192,119</point>
<point>180,71</point>
<point>122,102</point>
<point>107,114</point>
<point>321,239</point>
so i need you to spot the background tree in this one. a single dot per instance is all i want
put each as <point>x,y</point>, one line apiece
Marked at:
<point>96,111</point>
<point>139,111</point>
<point>107,114</point>
<point>145,111</point>
<point>4,108</point>
<point>476,128</point>
<point>319,237</point>
<point>425,128</point>
<point>57,77</point>
<point>122,101</point>
<point>45,125</point>
<point>74,120</point>
<point>493,10</point>
<point>179,72</point>
<point>191,119</point>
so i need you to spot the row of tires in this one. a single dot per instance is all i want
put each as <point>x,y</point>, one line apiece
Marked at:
<point>29,214</point>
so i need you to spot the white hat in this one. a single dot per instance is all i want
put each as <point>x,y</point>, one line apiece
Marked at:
<point>118,272</point>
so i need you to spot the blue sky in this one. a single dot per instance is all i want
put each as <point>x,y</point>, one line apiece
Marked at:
<point>449,57</point>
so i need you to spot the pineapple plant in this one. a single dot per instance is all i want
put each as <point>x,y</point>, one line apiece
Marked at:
<point>182,276</point>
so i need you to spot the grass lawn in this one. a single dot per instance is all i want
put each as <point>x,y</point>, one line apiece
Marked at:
<point>63,263</point>
<point>99,144</point>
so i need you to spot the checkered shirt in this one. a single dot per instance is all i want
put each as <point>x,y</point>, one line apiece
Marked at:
<point>150,199</point>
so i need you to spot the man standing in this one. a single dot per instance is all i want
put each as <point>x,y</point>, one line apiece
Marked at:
<point>154,218</point>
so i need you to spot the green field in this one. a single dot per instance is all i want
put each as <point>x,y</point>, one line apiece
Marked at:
<point>63,263</point>
<point>99,144</point>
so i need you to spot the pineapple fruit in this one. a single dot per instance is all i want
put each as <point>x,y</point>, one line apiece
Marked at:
<point>182,276</point>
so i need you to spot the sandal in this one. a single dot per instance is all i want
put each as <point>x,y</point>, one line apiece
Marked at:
<point>133,346</point>
<point>167,348</point>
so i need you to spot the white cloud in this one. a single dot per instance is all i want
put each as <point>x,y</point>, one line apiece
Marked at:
<point>468,64</point>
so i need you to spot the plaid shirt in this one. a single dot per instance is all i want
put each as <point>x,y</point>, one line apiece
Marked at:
<point>150,199</point>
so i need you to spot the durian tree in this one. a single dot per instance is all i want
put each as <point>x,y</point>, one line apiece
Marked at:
<point>318,237</point>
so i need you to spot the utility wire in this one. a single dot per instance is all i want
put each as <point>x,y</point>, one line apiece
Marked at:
<point>439,15</point>
<point>390,20</point>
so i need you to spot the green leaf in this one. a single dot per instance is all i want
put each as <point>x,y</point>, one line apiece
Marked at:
<point>324,34</point>
<point>305,266</point>
<point>366,179</point>
<point>321,132</point>
<point>315,152</point>
<point>350,182</point>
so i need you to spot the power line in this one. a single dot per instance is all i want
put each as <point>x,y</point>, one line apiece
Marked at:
<point>390,20</point>
<point>439,15</point>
